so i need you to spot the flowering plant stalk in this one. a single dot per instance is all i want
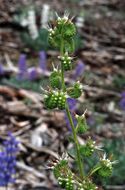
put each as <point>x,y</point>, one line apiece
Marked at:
<point>61,36</point>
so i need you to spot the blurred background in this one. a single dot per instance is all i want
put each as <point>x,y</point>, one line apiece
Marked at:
<point>25,65</point>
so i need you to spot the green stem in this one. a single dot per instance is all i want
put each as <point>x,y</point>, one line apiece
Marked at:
<point>62,67</point>
<point>80,164</point>
<point>79,161</point>
<point>93,171</point>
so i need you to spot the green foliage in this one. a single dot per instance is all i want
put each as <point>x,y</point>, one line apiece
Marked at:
<point>119,81</point>
<point>117,147</point>
<point>41,42</point>
<point>27,84</point>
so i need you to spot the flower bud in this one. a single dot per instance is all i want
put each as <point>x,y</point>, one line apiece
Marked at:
<point>66,26</point>
<point>75,91</point>
<point>88,148</point>
<point>61,100</point>
<point>87,185</point>
<point>105,167</point>
<point>63,29</point>
<point>52,36</point>
<point>55,79</point>
<point>66,182</point>
<point>66,61</point>
<point>81,124</point>
<point>59,167</point>
<point>51,100</point>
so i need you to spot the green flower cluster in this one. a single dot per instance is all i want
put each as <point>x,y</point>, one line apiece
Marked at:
<point>75,91</point>
<point>88,148</point>
<point>106,166</point>
<point>55,79</point>
<point>66,60</point>
<point>69,180</point>
<point>87,185</point>
<point>81,126</point>
<point>55,99</point>
<point>63,28</point>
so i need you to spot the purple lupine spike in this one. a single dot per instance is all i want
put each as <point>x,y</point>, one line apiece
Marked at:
<point>122,103</point>
<point>22,63</point>
<point>1,69</point>
<point>22,67</point>
<point>8,160</point>
<point>79,69</point>
<point>123,94</point>
<point>72,103</point>
<point>33,74</point>
<point>67,120</point>
<point>91,121</point>
<point>42,60</point>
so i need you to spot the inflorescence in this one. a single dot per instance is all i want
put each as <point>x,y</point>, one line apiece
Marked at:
<point>59,96</point>
<point>8,160</point>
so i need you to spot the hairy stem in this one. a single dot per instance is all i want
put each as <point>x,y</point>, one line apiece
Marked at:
<point>79,161</point>
<point>62,67</point>
<point>93,171</point>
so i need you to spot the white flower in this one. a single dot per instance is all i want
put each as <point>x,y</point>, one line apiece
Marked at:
<point>45,15</point>
<point>32,24</point>
<point>108,161</point>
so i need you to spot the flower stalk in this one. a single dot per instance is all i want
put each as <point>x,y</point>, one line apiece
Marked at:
<point>61,36</point>
<point>62,66</point>
<point>79,161</point>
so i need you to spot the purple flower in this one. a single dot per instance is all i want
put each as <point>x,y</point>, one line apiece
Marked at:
<point>72,103</point>
<point>123,94</point>
<point>8,160</point>
<point>67,120</point>
<point>79,69</point>
<point>22,63</point>
<point>33,75</point>
<point>1,69</point>
<point>42,60</point>
<point>22,67</point>
<point>91,121</point>
<point>122,103</point>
